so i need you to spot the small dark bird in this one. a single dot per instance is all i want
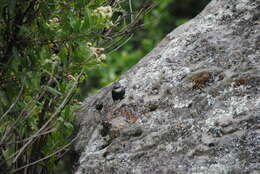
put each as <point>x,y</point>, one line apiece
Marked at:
<point>118,92</point>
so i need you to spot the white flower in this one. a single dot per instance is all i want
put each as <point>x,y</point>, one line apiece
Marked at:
<point>101,58</point>
<point>89,44</point>
<point>54,22</point>
<point>55,57</point>
<point>98,53</point>
<point>105,12</point>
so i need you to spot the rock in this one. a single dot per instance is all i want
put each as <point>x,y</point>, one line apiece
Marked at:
<point>190,106</point>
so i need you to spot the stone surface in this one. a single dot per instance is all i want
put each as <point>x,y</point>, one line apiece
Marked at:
<point>190,106</point>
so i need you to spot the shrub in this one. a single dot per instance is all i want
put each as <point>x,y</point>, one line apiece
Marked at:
<point>47,48</point>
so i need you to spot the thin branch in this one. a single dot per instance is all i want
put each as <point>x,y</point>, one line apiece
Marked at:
<point>21,119</point>
<point>26,139</point>
<point>59,109</point>
<point>133,25</point>
<point>131,10</point>
<point>3,163</point>
<point>114,44</point>
<point>122,44</point>
<point>46,157</point>
<point>13,104</point>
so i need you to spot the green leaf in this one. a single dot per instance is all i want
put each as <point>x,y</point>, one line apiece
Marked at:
<point>87,18</point>
<point>3,98</point>
<point>68,125</point>
<point>67,111</point>
<point>53,91</point>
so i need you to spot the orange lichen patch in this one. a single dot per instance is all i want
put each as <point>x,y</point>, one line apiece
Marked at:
<point>132,118</point>
<point>180,125</point>
<point>129,115</point>
<point>200,79</point>
<point>239,82</point>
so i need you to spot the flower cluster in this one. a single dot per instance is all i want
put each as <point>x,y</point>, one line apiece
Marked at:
<point>97,52</point>
<point>54,59</point>
<point>54,22</point>
<point>105,12</point>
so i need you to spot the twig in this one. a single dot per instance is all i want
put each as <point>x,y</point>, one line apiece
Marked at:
<point>114,44</point>
<point>13,104</point>
<point>122,44</point>
<point>59,109</point>
<point>26,139</point>
<point>46,157</point>
<point>20,119</point>
<point>131,10</point>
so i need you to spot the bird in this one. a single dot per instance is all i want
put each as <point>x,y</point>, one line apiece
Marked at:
<point>118,92</point>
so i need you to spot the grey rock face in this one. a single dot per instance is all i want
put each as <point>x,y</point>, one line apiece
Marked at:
<point>190,106</point>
